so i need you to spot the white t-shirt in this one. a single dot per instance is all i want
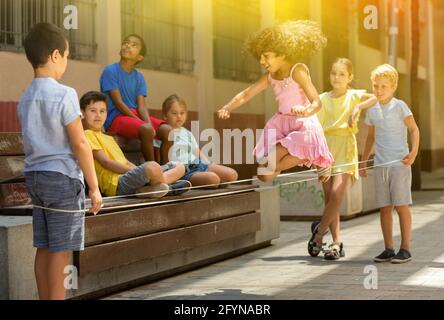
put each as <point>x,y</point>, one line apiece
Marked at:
<point>390,130</point>
<point>184,147</point>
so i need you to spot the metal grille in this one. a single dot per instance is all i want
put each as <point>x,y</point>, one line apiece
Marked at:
<point>18,16</point>
<point>233,22</point>
<point>167,28</point>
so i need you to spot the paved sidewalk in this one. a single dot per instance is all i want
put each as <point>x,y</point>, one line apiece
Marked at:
<point>285,271</point>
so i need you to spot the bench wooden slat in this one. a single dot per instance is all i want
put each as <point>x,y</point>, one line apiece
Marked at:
<point>11,144</point>
<point>106,256</point>
<point>113,205</point>
<point>121,225</point>
<point>11,168</point>
<point>14,194</point>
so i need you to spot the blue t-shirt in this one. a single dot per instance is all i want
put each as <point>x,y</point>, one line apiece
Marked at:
<point>44,110</point>
<point>390,131</point>
<point>131,85</point>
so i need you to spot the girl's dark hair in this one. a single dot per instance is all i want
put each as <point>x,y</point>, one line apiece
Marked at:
<point>91,97</point>
<point>166,105</point>
<point>294,39</point>
<point>41,41</point>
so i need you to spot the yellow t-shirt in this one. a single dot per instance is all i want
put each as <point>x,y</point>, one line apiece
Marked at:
<point>340,137</point>
<point>107,179</point>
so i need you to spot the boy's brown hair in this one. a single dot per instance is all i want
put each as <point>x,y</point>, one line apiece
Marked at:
<point>41,42</point>
<point>91,97</point>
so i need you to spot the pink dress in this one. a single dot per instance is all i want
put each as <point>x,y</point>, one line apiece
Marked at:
<point>302,137</point>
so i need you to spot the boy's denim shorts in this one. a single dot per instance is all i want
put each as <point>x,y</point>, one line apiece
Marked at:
<point>193,168</point>
<point>136,178</point>
<point>54,230</point>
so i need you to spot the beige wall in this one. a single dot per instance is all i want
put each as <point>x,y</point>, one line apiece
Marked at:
<point>205,95</point>
<point>16,73</point>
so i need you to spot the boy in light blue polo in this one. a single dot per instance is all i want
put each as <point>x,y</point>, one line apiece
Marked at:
<point>56,153</point>
<point>388,123</point>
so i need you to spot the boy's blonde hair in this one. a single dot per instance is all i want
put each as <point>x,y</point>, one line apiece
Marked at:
<point>386,71</point>
<point>295,39</point>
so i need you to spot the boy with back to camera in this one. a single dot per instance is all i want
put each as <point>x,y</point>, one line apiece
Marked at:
<point>56,153</point>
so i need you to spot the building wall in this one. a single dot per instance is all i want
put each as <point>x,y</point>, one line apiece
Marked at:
<point>205,94</point>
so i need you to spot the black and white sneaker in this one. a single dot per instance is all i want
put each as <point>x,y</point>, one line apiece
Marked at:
<point>385,256</point>
<point>402,256</point>
<point>179,187</point>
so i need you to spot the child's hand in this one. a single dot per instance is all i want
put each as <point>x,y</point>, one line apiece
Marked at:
<point>96,201</point>
<point>362,170</point>
<point>409,159</point>
<point>300,111</point>
<point>223,114</point>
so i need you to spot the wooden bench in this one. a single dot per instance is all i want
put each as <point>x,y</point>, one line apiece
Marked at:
<point>134,241</point>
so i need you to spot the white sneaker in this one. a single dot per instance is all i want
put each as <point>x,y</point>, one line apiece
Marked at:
<point>153,191</point>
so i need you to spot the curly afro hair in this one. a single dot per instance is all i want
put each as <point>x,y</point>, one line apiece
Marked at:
<point>294,39</point>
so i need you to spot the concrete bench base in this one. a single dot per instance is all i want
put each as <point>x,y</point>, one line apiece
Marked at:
<point>17,279</point>
<point>302,197</point>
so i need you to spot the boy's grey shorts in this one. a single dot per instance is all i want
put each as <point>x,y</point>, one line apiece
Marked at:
<point>393,186</point>
<point>136,178</point>
<point>54,230</point>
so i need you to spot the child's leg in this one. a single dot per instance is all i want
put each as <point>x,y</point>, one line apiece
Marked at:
<point>335,225</point>
<point>387,225</point>
<point>279,160</point>
<point>146,135</point>
<point>331,210</point>
<point>288,162</point>
<point>41,272</point>
<point>225,174</point>
<point>174,174</point>
<point>205,178</point>
<point>154,173</point>
<point>405,221</point>
<point>56,276</point>
<point>324,173</point>
<point>163,134</point>
<point>49,272</point>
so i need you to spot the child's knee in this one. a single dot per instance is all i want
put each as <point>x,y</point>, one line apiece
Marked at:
<point>233,175</point>
<point>152,169</point>
<point>213,180</point>
<point>146,130</point>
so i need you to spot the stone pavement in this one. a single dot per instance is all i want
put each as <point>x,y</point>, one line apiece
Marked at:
<point>285,271</point>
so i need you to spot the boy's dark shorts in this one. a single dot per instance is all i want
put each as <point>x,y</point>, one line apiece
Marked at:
<point>57,231</point>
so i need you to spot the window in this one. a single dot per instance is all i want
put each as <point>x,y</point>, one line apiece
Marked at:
<point>167,28</point>
<point>18,16</point>
<point>234,21</point>
<point>370,37</point>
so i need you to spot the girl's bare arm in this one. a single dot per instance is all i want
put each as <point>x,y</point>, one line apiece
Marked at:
<point>243,97</point>
<point>301,76</point>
